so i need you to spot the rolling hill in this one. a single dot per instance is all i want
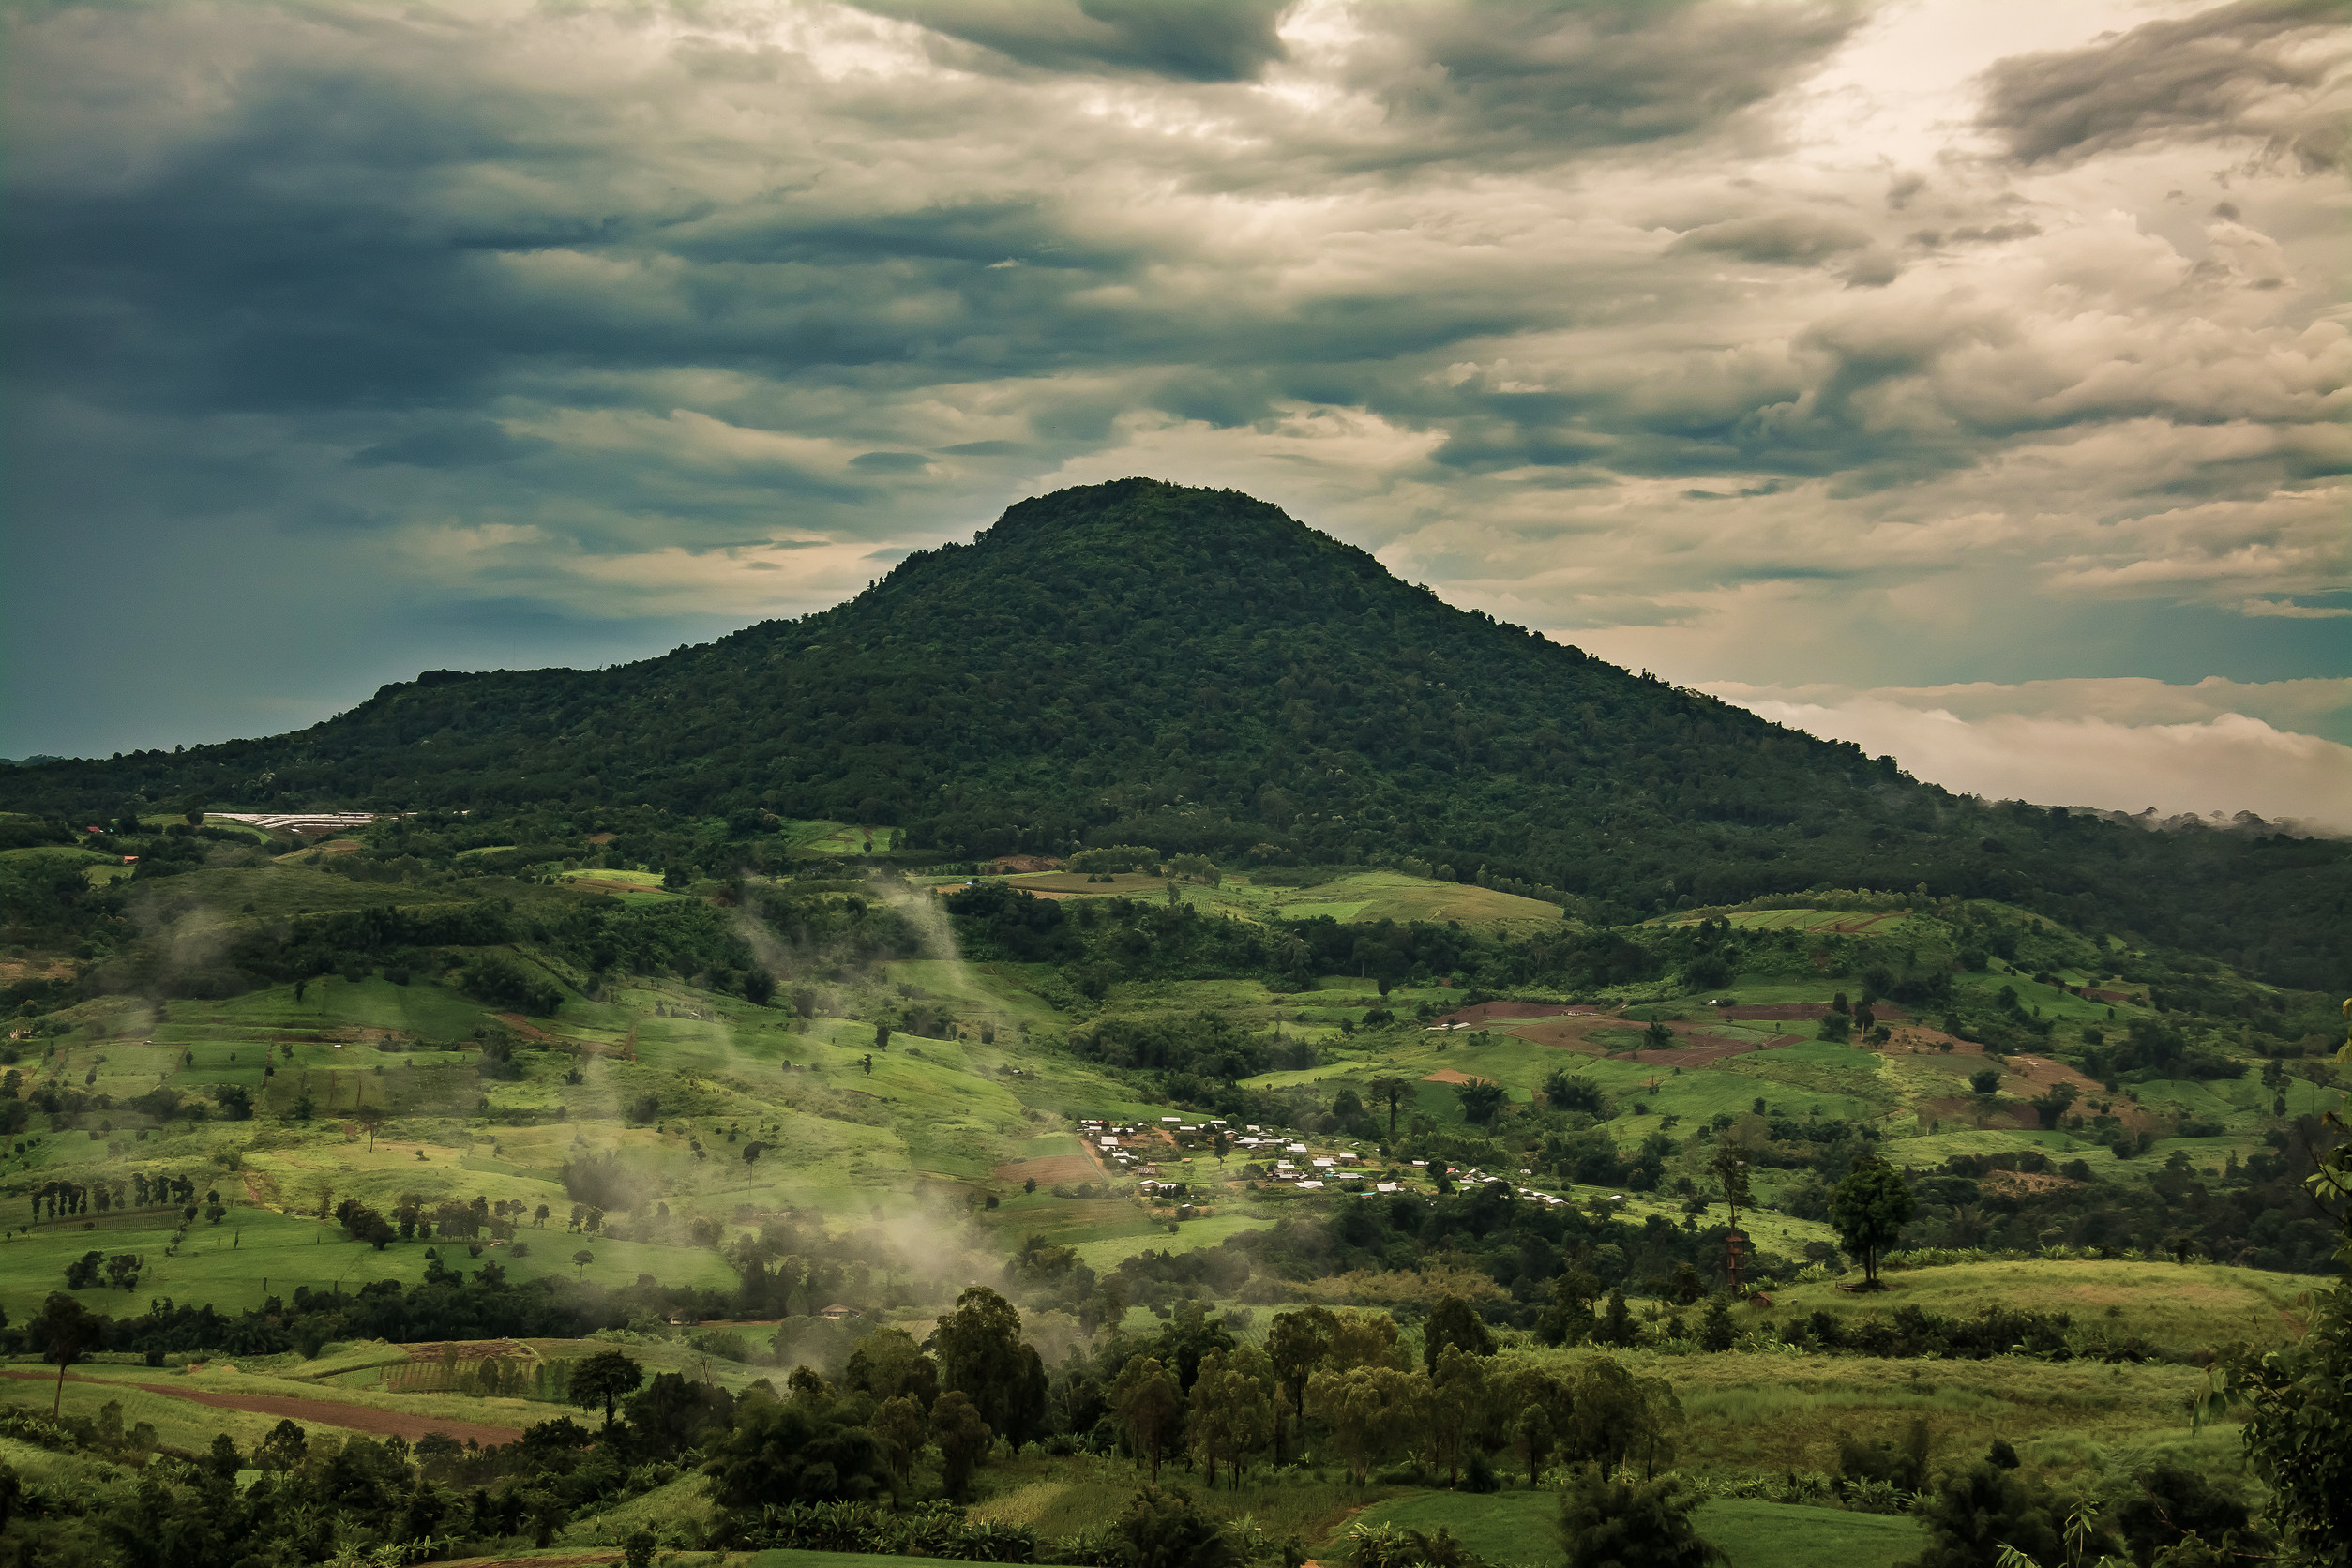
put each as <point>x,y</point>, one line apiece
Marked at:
<point>1192,670</point>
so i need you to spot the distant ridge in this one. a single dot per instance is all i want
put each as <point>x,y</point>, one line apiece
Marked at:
<point>1140,663</point>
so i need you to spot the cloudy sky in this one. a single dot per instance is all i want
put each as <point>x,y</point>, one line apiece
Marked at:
<point>1969,378</point>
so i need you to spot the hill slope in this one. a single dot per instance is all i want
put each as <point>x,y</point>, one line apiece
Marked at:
<point>1192,670</point>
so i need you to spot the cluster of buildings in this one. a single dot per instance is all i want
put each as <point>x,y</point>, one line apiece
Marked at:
<point>1287,1161</point>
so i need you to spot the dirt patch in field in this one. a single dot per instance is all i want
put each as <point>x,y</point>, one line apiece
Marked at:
<point>1488,1011</point>
<point>1777,1010</point>
<point>1447,1075</point>
<point>522,1026</point>
<point>1047,1169</point>
<point>1016,865</point>
<point>2089,994</point>
<point>353,1418</point>
<point>1559,1034</point>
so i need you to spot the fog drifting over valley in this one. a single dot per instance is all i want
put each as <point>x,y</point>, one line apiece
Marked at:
<point>1966,380</point>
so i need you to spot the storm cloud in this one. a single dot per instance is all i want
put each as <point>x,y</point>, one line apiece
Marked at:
<point>1782,344</point>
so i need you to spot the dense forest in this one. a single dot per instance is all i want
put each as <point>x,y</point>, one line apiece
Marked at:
<point>1139,663</point>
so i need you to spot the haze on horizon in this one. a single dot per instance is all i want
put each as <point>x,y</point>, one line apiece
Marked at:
<point>1965,378</point>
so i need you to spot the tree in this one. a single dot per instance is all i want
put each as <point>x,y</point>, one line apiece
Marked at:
<point>602,1379</point>
<point>1296,1344</point>
<point>1657,1036</point>
<point>1729,1168</point>
<point>1612,1416</point>
<point>1569,1319</point>
<point>1532,1439</point>
<point>284,1448</point>
<point>1371,1410</point>
<point>580,1260</point>
<point>1393,1092</point>
<point>1166,1530</point>
<point>1979,1511</point>
<point>898,1426</point>
<point>66,1332</point>
<point>963,1439</point>
<point>1482,1102</point>
<point>1233,1409</point>
<point>1869,1210</point>
<point>1717,1332</point>
<point>1150,1404</point>
<point>1459,1404</point>
<point>1455,1321</point>
<point>888,1364</point>
<point>795,1451</point>
<point>981,1354</point>
<point>1608,1523</point>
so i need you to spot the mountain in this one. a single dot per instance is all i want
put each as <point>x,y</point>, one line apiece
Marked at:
<point>1192,670</point>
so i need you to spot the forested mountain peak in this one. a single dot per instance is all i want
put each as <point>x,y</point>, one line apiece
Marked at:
<point>1192,670</point>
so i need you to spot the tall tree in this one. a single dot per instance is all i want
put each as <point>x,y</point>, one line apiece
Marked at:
<point>1869,1210</point>
<point>1371,1412</point>
<point>982,1355</point>
<point>65,1331</point>
<point>1150,1404</point>
<point>603,1378</point>
<point>1233,1409</point>
<point>1454,1321</point>
<point>963,1437</point>
<point>1481,1101</point>
<point>1460,1403</point>
<point>1391,1091</point>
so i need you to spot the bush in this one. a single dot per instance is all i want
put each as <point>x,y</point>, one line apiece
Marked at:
<point>1974,1514</point>
<point>1618,1522</point>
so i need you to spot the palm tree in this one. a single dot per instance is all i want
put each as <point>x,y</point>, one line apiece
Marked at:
<point>1393,1090</point>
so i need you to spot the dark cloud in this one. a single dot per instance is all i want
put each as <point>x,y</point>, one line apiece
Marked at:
<point>1794,238</point>
<point>448,443</point>
<point>1190,40</point>
<point>576,308</point>
<point>1553,73</point>
<point>2235,70</point>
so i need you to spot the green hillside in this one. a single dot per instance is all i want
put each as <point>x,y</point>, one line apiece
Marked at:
<point>1139,663</point>
<point>1410,1078</point>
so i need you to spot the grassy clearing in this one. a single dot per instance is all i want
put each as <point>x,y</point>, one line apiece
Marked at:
<point>1071,1497</point>
<point>1520,1526</point>
<point>2170,1303</point>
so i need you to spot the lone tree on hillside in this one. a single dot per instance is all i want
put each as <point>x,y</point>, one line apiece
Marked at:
<point>1482,1102</point>
<point>1392,1091</point>
<point>602,1379</point>
<point>65,1331</point>
<point>1869,1210</point>
<point>1730,1168</point>
<point>580,1260</point>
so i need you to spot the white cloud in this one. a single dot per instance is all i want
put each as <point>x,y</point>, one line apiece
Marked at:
<point>2118,745</point>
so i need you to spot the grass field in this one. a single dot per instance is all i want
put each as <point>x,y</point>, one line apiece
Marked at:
<point>1520,1526</point>
<point>679,1082</point>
